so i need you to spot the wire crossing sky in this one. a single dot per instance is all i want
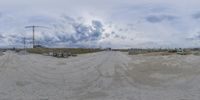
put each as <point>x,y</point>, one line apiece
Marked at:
<point>102,23</point>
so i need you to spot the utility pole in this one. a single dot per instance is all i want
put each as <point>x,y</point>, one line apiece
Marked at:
<point>24,40</point>
<point>33,29</point>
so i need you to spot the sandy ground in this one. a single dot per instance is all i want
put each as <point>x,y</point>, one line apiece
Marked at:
<point>99,76</point>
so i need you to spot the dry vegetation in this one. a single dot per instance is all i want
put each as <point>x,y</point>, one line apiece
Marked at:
<point>163,52</point>
<point>69,50</point>
<point>158,54</point>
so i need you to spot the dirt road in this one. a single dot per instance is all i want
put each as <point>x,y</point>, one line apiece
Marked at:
<point>99,76</point>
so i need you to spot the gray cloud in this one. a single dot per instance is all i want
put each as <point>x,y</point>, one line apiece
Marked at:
<point>160,18</point>
<point>1,36</point>
<point>196,16</point>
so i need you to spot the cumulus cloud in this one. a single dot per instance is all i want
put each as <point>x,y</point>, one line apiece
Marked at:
<point>70,31</point>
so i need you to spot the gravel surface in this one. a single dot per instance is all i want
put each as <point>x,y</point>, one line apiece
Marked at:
<point>99,76</point>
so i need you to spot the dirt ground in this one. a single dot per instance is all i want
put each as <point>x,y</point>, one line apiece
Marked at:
<point>105,75</point>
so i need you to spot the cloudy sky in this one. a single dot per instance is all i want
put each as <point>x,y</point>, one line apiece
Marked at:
<point>101,23</point>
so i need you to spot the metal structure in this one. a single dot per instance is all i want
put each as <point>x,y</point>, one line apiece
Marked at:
<point>33,29</point>
<point>181,51</point>
<point>24,40</point>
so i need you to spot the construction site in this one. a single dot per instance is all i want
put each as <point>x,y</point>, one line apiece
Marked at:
<point>44,73</point>
<point>100,50</point>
